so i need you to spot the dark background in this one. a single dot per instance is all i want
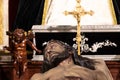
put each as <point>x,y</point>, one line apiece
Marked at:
<point>25,13</point>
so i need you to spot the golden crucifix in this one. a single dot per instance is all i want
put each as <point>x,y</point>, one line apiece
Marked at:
<point>77,13</point>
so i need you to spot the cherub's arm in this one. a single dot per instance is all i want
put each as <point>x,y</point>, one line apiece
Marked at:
<point>10,47</point>
<point>7,48</point>
<point>33,46</point>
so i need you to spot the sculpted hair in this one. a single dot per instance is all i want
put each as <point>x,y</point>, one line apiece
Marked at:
<point>83,61</point>
<point>47,65</point>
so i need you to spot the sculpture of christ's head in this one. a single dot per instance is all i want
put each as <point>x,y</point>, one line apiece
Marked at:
<point>57,51</point>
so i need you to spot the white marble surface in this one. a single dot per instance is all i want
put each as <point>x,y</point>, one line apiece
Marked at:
<point>68,28</point>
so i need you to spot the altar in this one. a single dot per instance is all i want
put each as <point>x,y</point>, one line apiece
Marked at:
<point>102,40</point>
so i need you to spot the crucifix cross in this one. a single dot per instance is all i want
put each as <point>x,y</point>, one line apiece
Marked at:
<point>77,13</point>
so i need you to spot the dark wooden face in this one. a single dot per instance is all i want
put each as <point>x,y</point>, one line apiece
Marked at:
<point>19,34</point>
<point>53,48</point>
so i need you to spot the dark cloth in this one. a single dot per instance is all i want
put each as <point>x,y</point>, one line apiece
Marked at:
<point>116,4</point>
<point>29,13</point>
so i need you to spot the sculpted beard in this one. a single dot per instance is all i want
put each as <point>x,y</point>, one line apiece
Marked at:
<point>55,60</point>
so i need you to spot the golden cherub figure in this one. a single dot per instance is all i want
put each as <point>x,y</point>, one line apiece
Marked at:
<point>18,42</point>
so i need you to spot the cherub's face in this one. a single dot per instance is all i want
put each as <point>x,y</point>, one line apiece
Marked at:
<point>53,49</point>
<point>19,35</point>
